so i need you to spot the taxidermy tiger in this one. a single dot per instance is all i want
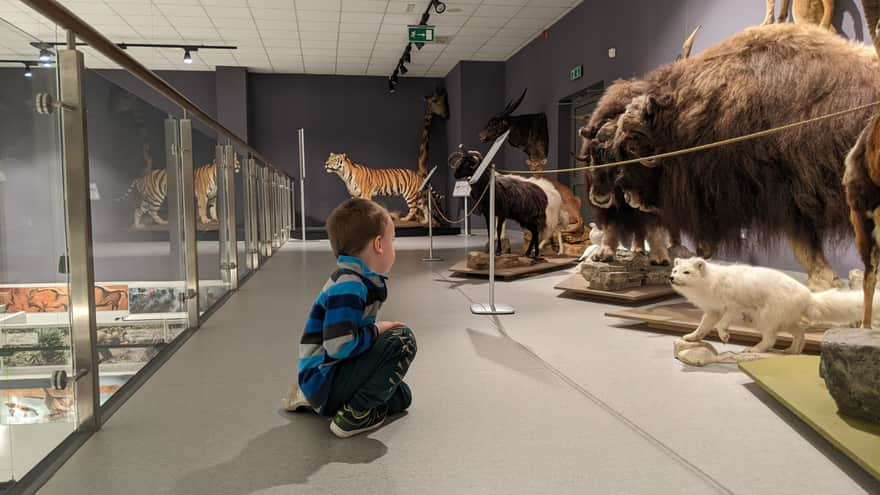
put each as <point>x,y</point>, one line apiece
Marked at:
<point>364,182</point>
<point>153,189</point>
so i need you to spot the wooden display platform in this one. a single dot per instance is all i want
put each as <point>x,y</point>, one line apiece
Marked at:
<point>577,285</point>
<point>552,264</point>
<point>682,318</point>
<point>795,382</point>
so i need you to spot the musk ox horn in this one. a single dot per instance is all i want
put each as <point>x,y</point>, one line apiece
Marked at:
<point>689,43</point>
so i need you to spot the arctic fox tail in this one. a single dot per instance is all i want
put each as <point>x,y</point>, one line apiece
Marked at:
<point>836,306</point>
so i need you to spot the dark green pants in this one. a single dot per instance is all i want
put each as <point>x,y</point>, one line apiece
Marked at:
<point>375,378</point>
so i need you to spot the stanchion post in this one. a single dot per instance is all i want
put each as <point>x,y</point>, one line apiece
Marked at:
<point>491,308</point>
<point>467,223</point>
<point>426,187</point>
<point>302,181</point>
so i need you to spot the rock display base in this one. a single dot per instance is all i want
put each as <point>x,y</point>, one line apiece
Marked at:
<point>573,243</point>
<point>850,365</point>
<point>477,260</point>
<point>630,270</point>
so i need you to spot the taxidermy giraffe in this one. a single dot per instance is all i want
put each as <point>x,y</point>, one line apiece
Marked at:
<point>436,104</point>
<point>818,12</point>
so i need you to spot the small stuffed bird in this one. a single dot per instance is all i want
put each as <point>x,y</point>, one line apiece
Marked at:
<point>596,236</point>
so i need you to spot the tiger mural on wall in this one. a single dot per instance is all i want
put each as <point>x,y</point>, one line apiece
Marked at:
<point>153,190</point>
<point>364,182</point>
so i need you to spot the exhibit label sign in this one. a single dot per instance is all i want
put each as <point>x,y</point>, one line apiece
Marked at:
<point>421,34</point>
<point>462,189</point>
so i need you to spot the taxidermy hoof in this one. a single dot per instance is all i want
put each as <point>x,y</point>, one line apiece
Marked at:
<point>724,336</point>
<point>660,262</point>
<point>691,337</point>
<point>604,253</point>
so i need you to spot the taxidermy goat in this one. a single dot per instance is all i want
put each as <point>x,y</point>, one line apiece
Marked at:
<point>528,132</point>
<point>532,203</point>
<point>816,12</point>
<point>772,299</point>
<point>779,185</point>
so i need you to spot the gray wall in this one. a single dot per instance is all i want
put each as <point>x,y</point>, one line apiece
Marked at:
<point>646,34</point>
<point>342,114</point>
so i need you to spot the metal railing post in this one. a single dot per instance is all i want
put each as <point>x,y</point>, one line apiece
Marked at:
<point>188,194</point>
<point>78,216</point>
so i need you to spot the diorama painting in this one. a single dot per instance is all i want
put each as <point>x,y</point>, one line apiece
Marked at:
<point>55,299</point>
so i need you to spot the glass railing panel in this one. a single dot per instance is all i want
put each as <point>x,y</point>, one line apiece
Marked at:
<point>242,211</point>
<point>136,223</point>
<point>213,274</point>
<point>34,291</point>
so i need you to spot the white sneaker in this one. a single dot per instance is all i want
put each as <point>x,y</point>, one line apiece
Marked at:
<point>296,401</point>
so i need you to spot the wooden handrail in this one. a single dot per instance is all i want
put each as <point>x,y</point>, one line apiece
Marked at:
<point>63,17</point>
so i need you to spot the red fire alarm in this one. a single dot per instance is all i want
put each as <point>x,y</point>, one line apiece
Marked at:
<point>545,34</point>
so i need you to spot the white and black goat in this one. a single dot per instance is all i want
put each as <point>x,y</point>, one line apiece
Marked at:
<point>533,203</point>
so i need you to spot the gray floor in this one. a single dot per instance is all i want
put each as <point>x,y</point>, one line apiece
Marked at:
<point>557,399</point>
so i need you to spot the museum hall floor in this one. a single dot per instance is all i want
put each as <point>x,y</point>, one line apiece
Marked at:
<point>556,399</point>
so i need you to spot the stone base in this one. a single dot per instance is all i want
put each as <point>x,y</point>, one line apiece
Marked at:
<point>850,365</point>
<point>628,271</point>
<point>477,260</point>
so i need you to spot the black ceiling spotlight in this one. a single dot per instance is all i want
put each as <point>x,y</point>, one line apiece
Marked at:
<point>27,70</point>
<point>187,58</point>
<point>439,6</point>
<point>27,65</point>
<point>391,88</point>
<point>394,78</point>
<point>187,49</point>
<point>406,53</point>
<point>402,68</point>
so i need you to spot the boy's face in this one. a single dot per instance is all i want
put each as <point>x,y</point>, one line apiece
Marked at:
<point>384,248</point>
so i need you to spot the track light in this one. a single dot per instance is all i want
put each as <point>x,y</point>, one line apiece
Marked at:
<point>394,77</point>
<point>439,7</point>
<point>45,55</point>
<point>407,58</point>
<point>402,68</point>
<point>187,58</point>
<point>27,71</point>
<point>391,88</point>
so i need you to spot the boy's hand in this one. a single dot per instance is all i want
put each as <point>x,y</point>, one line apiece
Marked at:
<point>384,326</point>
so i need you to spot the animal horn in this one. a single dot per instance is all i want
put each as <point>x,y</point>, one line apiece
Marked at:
<point>689,43</point>
<point>513,105</point>
<point>579,158</point>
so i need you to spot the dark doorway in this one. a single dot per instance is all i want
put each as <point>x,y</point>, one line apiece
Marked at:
<point>574,111</point>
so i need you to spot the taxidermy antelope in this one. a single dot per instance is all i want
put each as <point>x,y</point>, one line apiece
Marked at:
<point>528,132</point>
<point>817,12</point>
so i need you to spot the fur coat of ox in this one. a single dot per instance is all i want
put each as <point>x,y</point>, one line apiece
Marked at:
<point>783,185</point>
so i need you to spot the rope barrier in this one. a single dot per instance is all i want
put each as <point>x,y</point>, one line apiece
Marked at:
<point>702,147</point>
<point>467,214</point>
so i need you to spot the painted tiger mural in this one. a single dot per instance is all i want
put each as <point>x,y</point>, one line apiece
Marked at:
<point>153,189</point>
<point>364,182</point>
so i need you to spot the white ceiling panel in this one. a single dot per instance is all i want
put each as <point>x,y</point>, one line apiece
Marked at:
<point>334,36</point>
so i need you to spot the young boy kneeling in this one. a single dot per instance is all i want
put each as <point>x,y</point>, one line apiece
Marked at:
<point>351,366</point>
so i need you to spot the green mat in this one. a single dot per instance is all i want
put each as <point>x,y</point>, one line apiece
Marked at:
<point>795,382</point>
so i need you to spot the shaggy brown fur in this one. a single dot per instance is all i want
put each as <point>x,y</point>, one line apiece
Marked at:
<point>862,184</point>
<point>782,184</point>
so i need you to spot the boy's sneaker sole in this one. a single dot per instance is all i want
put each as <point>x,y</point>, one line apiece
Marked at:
<point>296,401</point>
<point>339,432</point>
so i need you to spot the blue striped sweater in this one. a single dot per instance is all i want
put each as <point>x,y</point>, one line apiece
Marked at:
<point>341,325</point>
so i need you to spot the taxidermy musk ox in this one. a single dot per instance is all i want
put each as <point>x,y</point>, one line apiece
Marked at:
<point>621,223</point>
<point>532,203</point>
<point>786,184</point>
<point>528,132</point>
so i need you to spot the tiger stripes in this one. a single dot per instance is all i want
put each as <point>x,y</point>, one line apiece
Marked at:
<point>364,182</point>
<point>153,189</point>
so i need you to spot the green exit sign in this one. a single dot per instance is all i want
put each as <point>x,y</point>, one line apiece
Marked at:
<point>576,73</point>
<point>421,34</point>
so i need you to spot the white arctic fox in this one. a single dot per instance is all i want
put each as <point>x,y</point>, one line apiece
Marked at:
<point>773,300</point>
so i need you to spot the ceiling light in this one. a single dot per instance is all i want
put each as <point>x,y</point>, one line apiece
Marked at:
<point>47,63</point>
<point>391,88</point>
<point>187,58</point>
<point>27,71</point>
<point>45,55</point>
<point>394,77</point>
<point>439,7</point>
<point>402,68</point>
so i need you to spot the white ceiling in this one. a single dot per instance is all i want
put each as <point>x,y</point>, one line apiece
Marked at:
<point>351,37</point>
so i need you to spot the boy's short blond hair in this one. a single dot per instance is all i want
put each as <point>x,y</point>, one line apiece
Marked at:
<point>353,224</point>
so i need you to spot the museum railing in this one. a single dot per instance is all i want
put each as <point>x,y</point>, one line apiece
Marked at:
<point>129,215</point>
